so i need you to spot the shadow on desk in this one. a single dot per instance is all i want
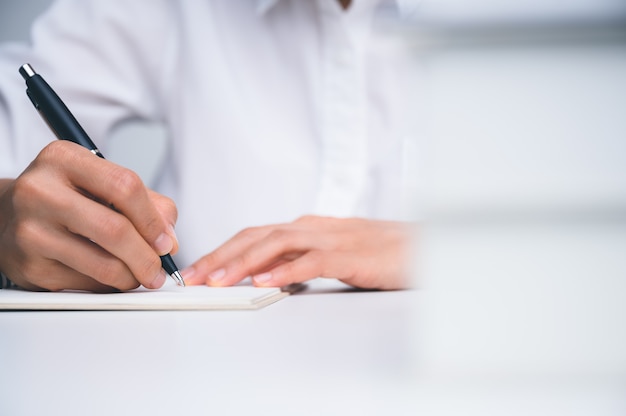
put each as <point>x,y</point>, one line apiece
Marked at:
<point>323,286</point>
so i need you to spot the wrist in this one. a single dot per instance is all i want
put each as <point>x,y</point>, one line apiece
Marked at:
<point>5,282</point>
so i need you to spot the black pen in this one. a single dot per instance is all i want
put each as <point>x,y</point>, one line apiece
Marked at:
<point>65,126</point>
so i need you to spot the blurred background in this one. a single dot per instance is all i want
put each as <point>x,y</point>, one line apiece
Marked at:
<point>518,112</point>
<point>518,132</point>
<point>144,144</point>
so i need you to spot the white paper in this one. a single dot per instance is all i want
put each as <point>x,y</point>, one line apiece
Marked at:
<point>170,297</point>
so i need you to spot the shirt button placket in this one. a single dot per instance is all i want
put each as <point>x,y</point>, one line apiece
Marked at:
<point>344,145</point>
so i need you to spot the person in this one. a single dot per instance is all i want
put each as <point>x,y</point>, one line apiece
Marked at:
<point>286,113</point>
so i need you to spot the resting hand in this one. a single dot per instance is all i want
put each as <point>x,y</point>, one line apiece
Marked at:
<point>359,252</point>
<point>54,234</point>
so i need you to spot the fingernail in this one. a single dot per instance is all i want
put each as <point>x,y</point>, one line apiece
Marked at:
<point>163,244</point>
<point>262,278</point>
<point>159,280</point>
<point>217,275</point>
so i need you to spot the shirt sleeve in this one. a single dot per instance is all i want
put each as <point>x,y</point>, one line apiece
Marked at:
<point>106,59</point>
<point>5,283</point>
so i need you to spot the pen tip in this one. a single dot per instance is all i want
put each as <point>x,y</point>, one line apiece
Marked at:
<point>178,278</point>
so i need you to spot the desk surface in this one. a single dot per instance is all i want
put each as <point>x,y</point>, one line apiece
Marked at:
<point>326,350</point>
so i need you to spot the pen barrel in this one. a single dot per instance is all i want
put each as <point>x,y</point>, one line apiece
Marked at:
<point>56,114</point>
<point>168,264</point>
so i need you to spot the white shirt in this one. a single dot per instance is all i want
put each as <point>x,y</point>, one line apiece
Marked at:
<point>275,109</point>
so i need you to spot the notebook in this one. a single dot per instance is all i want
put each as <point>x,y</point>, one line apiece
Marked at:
<point>170,297</point>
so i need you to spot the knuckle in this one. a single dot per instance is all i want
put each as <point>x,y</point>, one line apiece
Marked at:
<point>26,189</point>
<point>306,219</point>
<point>280,236</point>
<point>112,227</point>
<point>284,240</point>
<point>206,260</point>
<point>152,227</point>
<point>126,183</point>
<point>114,274</point>
<point>27,235</point>
<point>209,261</point>
<point>147,268</point>
<point>240,264</point>
<point>247,233</point>
<point>169,206</point>
<point>54,151</point>
<point>165,205</point>
<point>60,153</point>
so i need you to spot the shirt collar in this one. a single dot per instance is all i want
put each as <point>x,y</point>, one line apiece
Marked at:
<point>262,6</point>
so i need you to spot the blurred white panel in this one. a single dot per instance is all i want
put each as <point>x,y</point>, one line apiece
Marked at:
<point>522,318</point>
<point>531,11</point>
<point>520,127</point>
<point>522,170</point>
<point>526,298</point>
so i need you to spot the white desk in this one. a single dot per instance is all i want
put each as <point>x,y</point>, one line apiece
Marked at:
<point>327,350</point>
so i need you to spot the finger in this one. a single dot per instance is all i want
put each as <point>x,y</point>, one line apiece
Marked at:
<point>113,232</point>
<point>57,245</point>
<point>310,265</point>
<point>281,244</point>
<point>52,275</point>
<point>95,262</point>
<point>58,277</point>
<point>211,267</point>
<point>115,185</point>
<point>167,208</point>
<point>351,269</point>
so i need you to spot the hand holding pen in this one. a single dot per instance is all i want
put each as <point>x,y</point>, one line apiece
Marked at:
<point>54,232</point>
